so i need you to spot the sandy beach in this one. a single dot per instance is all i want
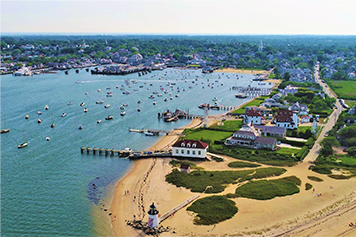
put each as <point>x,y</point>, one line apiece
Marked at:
<point>302,214</point>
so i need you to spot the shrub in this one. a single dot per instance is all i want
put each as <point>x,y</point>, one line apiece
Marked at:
<point>302,153</point>
<point>267,189</point>
<point>241,164</point>
<point>310,143</point>
<point>212,210</point>
<point>316,179</point>
<point>321,169</point>
<point>218,159</point>
<point>308,186</point>
<point>294,179</point>
<point>338,176</point>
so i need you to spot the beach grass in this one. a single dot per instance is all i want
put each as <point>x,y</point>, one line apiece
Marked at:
<point>228,125</point>
<point>177,163</point>
<point>212,210</point>
<point>216,181</point>
<point>267,189</point>
<point>308,186</point>
<point>316,179</point>
<point>241,164</point>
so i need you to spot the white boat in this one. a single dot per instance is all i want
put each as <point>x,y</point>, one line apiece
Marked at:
<point>39,121</point>
<point>70,103</point>
<point>39,112</point>
<point>63,114</point>
<point>148,133</point>
<point>48,138</point>
<point>46,107</point>
<point>107,106</point>
<point>99,102</point>
<point>85,110</point>
<point>109,117</point>
<point>154,102</point>
<point>80,127</point>
<point>82,104</point>
<point>99,121</point>
<point>99,90</point>
<point>122,113</point>
<point>122,107</point>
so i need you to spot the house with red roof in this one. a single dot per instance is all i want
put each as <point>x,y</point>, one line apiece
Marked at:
<point>305,119</point>
<point>286,119</point>
<point>190,149</point>
<point>254,116</point>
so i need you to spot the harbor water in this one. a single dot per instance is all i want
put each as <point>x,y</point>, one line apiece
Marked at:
<point>49,188</point>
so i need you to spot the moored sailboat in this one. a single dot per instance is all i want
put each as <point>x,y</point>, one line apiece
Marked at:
<point>24,144</point>
<point>6,129</point>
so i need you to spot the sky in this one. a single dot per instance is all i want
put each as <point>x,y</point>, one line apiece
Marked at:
<point>193,17</point>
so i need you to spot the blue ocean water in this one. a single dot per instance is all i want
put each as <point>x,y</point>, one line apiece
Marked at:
<point>47,187</point>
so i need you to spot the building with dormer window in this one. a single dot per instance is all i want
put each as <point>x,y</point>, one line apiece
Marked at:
<point>190,149</point>
<point>286,119</point>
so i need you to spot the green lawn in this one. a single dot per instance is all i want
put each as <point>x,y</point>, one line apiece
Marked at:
<point>228,125</point>
<point>349,160</point>
<point>241,164</point>
<point>212,210</point>
<point>255,102</point>
<point>351,103</point>
<point>206,134</point>
<point>344,89</point>
<point>285,150</point>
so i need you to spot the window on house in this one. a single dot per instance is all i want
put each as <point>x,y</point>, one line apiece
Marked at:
<point>182,152</point>
<point>193,152</point>
<point>188,145</point>
<point>183,144</point>
<point>188,152</point>
<point>177,151</point>
<point>194,145</point>
<point>199,152</point>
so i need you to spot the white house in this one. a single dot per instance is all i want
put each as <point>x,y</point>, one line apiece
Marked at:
<point>304,119</point>
<point>190,149</point>
<point>253,116</point>
<point>286,119</point>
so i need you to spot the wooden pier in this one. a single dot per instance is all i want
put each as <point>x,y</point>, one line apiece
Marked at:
<point>177,208</point>
<point>154,131</point>
<point>105,151</point>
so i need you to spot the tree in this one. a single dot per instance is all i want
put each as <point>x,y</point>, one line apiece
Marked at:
<point>286,76</point>
<point>330,141</point>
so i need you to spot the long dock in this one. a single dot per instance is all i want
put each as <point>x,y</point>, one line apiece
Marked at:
<point>154,131</point>
<point>106,151</point>
<point>177,208</point>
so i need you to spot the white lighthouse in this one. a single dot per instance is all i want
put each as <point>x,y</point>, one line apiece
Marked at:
<point>153,217</point>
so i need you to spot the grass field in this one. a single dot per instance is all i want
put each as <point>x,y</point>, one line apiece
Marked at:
<point>206,134</point>
<point>351,103</point>
<point>267,189</point>
<point>216,181</point>
<point>212,210</point>
<point>228,125</point>
<point>349,160</point>
<point>344,89</point>
<point>255,102</point>
<point>241,164</point>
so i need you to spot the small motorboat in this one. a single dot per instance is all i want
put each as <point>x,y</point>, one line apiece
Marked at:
<point>80,127</point>
<point>26,117</point>
<point>99,121</point>
<point>148,133</point>
<point>99,90</point>
<point>138,110</point>
<point>85,110</point>
<point>109,95</point>
<point>99,102</point>
<point>39,121</point>
<point>82,104</point>
<point>39,112</point>
<point>70,103</point>
<point>139,102</point>
<point>86,93</point>
<point>122,113</point>
<point>63,114</point>
<point>46,107</point>
<point>154,102</point>
<point>52,125</point>
<point>125,105</point>
<point>48,138</point>
<point>109,117</point>
<point>165,99</point>
<point>122,107</point>
<point>107,106</point>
